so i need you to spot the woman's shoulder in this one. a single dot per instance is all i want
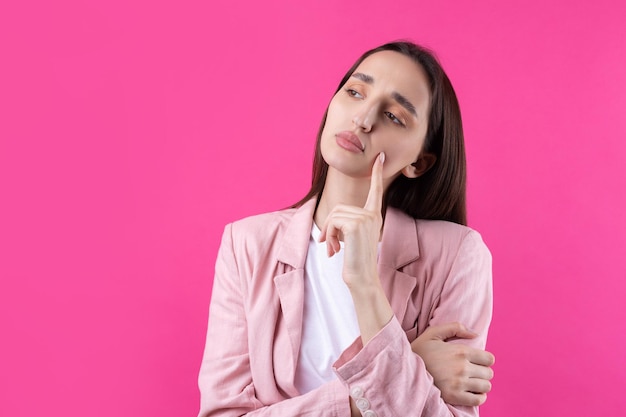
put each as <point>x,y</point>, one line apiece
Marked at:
<point>269,235</point>
<point>299,218</point>
<point>431,230</point>
<point>263,223</point>
<point>430,240</point>
<point>449,235</point>
<point>444,228</point>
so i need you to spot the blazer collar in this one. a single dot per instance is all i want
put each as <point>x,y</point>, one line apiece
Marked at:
<point>399,245</point>
<point>295,244</point>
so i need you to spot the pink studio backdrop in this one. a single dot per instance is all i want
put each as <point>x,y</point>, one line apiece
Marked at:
<point>132,132</point>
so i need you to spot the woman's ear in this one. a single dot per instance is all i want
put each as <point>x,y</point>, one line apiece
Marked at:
<point>424,162</point>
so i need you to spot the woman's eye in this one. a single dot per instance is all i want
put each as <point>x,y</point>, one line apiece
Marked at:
<point>353,93</point>
<point>393,118</point>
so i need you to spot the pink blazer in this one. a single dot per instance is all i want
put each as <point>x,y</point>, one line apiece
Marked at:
<point>432,272</point>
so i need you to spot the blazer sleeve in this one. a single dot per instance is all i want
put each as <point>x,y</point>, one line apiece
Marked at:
<point>386,378</point>
<point>225,380</point>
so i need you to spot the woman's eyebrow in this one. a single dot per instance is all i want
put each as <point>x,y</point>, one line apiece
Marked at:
<point>404,102</point>
<point>399,98</point>
<point>367,79</point>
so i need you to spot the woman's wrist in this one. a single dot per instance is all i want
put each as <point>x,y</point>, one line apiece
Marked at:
<point>373,310</point>
<point>354,410</point>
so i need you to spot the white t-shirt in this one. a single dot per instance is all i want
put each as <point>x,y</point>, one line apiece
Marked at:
<point>329,320</point>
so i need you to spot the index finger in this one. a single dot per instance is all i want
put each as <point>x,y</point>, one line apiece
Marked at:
<point>449,331</point>
<point>374,200</point>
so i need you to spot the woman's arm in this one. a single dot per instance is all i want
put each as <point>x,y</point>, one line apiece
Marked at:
<point>381,367</point>
<point>390,376</point>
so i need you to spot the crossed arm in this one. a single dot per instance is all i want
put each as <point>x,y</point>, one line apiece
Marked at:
<point>462,373</point>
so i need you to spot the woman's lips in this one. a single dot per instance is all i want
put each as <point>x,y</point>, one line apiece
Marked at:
<point>349,141</point>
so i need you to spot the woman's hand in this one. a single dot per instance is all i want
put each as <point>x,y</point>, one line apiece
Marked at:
<point>461,373</point>
<point>360,229</point>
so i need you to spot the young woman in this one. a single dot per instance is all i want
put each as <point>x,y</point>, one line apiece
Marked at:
<point>359,299</point>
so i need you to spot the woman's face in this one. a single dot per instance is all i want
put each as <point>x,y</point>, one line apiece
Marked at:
<point>383,107</point>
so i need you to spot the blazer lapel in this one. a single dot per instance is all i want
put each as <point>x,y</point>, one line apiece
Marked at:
<point>289,283</point>
<point>399,248</point>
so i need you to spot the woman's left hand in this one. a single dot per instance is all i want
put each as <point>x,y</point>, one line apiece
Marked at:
<point>462,373</point>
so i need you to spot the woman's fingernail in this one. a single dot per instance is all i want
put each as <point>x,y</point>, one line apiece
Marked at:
<point>381,157</point>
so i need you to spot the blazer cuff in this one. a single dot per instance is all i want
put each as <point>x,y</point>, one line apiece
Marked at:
<point>358,358</point>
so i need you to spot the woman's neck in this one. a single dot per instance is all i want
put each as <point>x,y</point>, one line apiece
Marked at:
<point>340,189</point>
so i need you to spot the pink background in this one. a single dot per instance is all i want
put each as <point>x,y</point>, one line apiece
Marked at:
<point>133,131</point>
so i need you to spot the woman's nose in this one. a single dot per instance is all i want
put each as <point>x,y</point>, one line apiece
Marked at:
<point>364,118</point>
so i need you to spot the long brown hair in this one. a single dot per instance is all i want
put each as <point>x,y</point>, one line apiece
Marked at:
<point>438,194</point>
